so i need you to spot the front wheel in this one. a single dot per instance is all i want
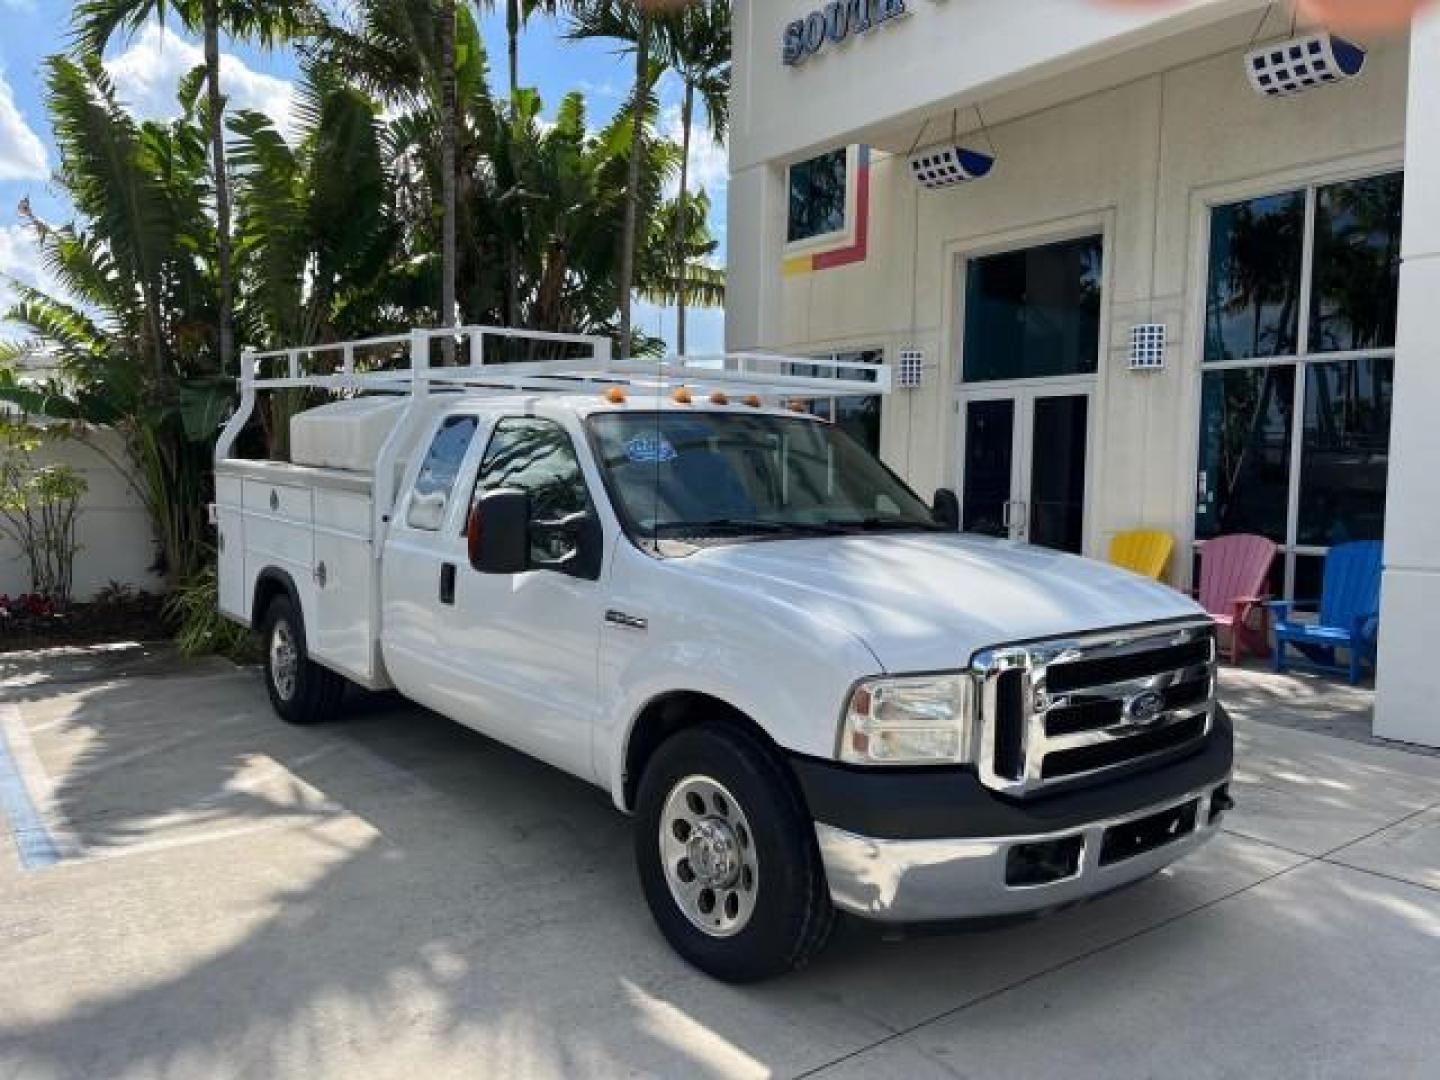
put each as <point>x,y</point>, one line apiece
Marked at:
<point>727,857</point>
<point>301,691</point>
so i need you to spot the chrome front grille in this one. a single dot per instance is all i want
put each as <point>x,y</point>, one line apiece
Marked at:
<point>1052,712</point>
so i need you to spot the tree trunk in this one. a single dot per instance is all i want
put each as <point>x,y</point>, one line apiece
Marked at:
<point>222,183</point>
<point>682,220</point>
<point>512,31</point>
<point>632,184</point>
<point>448,125</point>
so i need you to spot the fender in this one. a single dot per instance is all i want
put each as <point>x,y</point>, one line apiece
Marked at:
<point>271,582</point>
<point>618,739</point>
<point>788,713</point>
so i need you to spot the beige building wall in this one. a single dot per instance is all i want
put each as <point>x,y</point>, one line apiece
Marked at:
<point>1140,163</point>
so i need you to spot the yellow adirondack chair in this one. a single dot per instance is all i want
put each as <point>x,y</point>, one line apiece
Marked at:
<point>1145,552</point>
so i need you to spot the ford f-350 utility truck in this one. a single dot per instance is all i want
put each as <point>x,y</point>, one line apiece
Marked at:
<point>812,692</point>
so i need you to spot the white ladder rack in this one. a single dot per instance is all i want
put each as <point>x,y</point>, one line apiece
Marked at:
<point>414,377</point>
<point>411,373</point>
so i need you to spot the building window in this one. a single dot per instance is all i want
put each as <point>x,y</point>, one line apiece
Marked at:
<point>1299,368</point>
<point>859,417</point>
<point>1034,313</point>
<point>818,196</point>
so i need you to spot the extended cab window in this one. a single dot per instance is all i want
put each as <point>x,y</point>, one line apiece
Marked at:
<point>431,496</point>
<point>537,457</point>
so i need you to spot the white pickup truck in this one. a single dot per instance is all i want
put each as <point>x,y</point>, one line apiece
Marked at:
<point>809,688</point>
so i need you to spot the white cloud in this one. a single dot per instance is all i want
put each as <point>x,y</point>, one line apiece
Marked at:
<point>709,164</point>
<point>19,259</point>
<point>147,73</point>
<point>22,154</point>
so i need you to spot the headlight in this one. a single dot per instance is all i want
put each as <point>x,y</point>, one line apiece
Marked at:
<point>923,720</point>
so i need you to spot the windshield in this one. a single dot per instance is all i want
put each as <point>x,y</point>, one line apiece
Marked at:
<point>697,475</point>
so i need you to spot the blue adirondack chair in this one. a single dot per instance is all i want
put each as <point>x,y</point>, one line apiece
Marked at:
<point>1349,612</point>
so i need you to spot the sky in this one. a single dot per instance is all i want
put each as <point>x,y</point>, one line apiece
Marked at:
<point>147,66</point>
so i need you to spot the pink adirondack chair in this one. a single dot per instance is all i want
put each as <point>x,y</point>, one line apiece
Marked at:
<point>1233,572</point>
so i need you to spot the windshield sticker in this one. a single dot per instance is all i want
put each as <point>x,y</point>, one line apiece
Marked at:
<point>650,450</point>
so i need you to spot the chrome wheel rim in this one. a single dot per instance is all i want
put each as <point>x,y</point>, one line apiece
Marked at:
<point>707,849</point>
<point>284,660</point>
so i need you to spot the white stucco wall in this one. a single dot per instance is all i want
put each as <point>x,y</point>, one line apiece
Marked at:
<point>1410,602</point>
<point>114,532</point>
<point>1139,162</point>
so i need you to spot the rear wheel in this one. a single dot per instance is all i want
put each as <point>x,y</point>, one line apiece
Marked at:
<point>727,857</point>
<point>301,691</point>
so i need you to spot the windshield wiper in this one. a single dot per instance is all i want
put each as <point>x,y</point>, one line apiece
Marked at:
<point>881,524</point>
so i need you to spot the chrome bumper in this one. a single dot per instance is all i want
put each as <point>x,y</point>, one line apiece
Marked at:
<point>930,880</point>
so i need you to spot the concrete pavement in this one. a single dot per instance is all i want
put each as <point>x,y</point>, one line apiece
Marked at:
<point>392,895</point>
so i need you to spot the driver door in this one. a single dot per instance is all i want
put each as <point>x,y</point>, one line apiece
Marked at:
<point>523,649</point>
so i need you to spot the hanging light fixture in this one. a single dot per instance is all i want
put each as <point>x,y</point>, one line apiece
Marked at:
<point>950,163</point>
<point>1286,68</point>
<point>946,166</point>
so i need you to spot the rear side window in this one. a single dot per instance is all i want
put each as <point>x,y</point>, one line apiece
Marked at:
<point>431,497</point>
<point>537,457</point>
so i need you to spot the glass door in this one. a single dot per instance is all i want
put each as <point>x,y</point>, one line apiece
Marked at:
<point>987,496</point>
<point>1058,445</point>
<point>1025,463</point>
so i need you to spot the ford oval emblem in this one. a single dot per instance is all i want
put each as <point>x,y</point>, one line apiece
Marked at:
<point>1145,709</point>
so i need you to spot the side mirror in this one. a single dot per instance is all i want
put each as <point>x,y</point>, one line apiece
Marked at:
<point>499,533</point>
<point>947,510</point>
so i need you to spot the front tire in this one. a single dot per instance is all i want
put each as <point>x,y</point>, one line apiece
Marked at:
<point>301,691</point>
<point>727,857</point>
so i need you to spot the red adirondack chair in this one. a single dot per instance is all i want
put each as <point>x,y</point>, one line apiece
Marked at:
<point>1233,572</point>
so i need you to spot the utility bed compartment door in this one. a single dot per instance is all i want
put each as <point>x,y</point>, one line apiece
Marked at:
<point>230,524</point>
<point>341,629</point>
<point>279,532</point>
<point>279,500</point>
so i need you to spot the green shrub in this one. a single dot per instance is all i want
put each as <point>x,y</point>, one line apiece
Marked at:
<point>200,629</point>
<point>39,505</point>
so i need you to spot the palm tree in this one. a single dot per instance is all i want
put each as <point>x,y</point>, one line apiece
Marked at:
<point>675,266</point>
<point>134,345</point>
<point>517,15</point>
<point>697,41</point>
<point>426,57</point>
<point>316,233</point>
<point>265,21</point>
<point>449,125</point>
<point>632,26</point>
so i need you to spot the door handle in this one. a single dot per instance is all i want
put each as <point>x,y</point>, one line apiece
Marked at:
<point>447,583</point>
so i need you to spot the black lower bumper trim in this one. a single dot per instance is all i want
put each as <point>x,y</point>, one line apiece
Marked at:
<point>932,804</point>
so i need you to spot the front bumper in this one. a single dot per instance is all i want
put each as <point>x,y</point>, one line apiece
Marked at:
<point>983,855</point>
<point>929,880</point>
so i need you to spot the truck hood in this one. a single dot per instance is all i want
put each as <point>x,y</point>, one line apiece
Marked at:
<point>929,602</point>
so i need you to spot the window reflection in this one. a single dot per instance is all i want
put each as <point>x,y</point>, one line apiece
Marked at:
<point>537,457</point>
<point>1357,264</point>
<point>1245,427</point>
<point>1035,312</point>
<point>1254,286</point>
<point>817,196</point>
<point>1346,451</point>
<point>438,472</point>
<point>858,417</point>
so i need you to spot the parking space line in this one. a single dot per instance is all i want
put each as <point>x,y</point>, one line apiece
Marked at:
<point>33,841</point>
